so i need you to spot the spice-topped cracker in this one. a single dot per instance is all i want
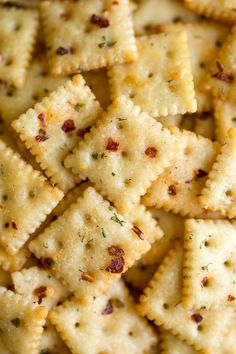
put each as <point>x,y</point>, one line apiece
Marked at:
<point>90,245</point>
<point>107,324</point>
<point>122,138</point>
<point>15,101</point>
<point>39,285</point>
<point>87,34</point>
<point>178,188</point>
<point>51,342</point>
<point>171,344</point>
<point>222,10</point>
<point>17,36</point>
<point>56,124</point>
<point>160,81</point>
<point>209,270</point>
<point>162,302</point>
<point>26,199</point>
<point>21,323</point>
<point>225,118</point>
<point>220,190</point>
<point>222,76</point>
<point>149,14</point>
<point>98,82</point>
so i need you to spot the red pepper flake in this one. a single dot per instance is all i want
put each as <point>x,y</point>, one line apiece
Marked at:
<point>63,51</point>
<point>108,309</point>
<point>43,136</point>
<point>116,251</point>
<point>151,152</point>
<point>13,224</point>
<point>138,232</point>
<point>204,282</point>
<point>42,118</point>
<point>68,126</point>
<point>87,277</point>
<point>196,317</point>
<point>201,173</point>
<point>83,131</point>
<point>172,190</point>
<point>99,21</point>
<point>112,145</point>
<point>40,293</point>
<point>116,266</point>
<point>48,262</point>
<point>230,298</point>
<point>221,75</point>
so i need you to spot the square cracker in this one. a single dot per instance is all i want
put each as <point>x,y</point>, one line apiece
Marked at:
<point>223,10</point>
<point>26,199</point>
<point>90,245</point>
<point>149,14</point>
<point>225,118</point>
<point>219,193</point>
<point>21,323</point>
<point>209,268</point>
<point>56,124</point>
<point>51,342</point>
<point>171,344</point>
<point>110,322</point>
<point>17,36</point>
<point>40,286</point>
<point>15,101</point>
<point>160,81</point>
<point>178,188</point>
<point>88,34</point>
<point>162,302</point>
<point>122,138</point>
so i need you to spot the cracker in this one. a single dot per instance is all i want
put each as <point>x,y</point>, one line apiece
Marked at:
<point>139,275</point>
<point>172,345</point>
<point>103,326</point>
<point>90,245</point>
<point>40,286</point>
<point>225,118</point>
<point>26,199</point>
<point>55,125</point>
<point>151,13</point>
<point>178,188</point>
<point>204,125</point>
<point>17,36</point>
<point>209,269</point>
<point>98,82</point>
<point>220,190</point>
<point>51,342</point>
<point>15,101</point>
<point>14,262</point>
<point>124,136</point>
<point>223,10</point>
<point>21,323</point>
<point>87,35</point>
<point>162,302</point>
<point>163,66</point>
<point>229,342</point>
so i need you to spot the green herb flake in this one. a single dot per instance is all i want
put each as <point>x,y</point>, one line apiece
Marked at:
<point>78,106</point>
<point>118,303</point>
<point>103,233</point>
<point>98,155</point>
<point>116,219</point>
<point>106,43</point>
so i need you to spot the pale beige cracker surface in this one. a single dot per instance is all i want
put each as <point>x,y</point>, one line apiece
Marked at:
<point>204,124</point>
<point>223,10</point>
<point>14,262</point>
<point>149,14</point>
<point>51,342</point>
<point>21,323</point>
<point>55,125</point>
<point>98,82</point>
<point>122,138</point>
<point>160,81</point>
<point>225,118</point>
<point>178,188</point>
<point>88,34</point>
<point>26,199</point>
<point>162,302</point>
<point>229,342</point>
<point>171,344</point>
<point>17,35</point>
<point>15,101</point>
<point>219,192</point>
<point>139,275</point>
<point>90,245</point>
<point>107,324</point>
<point>40,286</point>
<point>222,72</point>
<point>209,268</point>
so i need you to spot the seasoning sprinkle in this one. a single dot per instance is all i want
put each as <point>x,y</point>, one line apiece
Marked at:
<point>99,21</point>
<point>116,266</point>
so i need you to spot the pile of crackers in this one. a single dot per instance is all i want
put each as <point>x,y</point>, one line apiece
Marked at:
<point>118,177</point>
